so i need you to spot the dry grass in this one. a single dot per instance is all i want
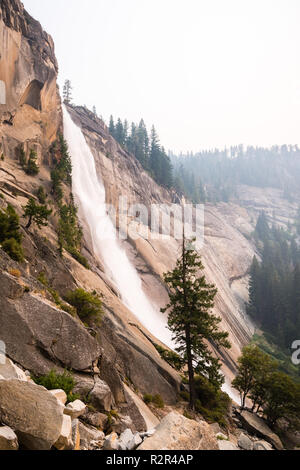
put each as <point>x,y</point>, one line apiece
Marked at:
<point>15,272</point>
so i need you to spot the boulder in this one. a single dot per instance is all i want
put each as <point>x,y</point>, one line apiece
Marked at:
<point>60,395</point>
<point>9,370</point>
<point>175,432</point>
<point>89,434</point>
<point>64,441</point>
<point>262,445</point>
<point>256,425</point>
<point>216,428</point>
<point>8,439</point>
<point>123,423</point>
<point>244,442</point>
<point>101,396</point>
<point>141,416</point>
<point>111,442</point>
<point>227,445</point>
<point>129,441</point>
<point>135,442</point>
<point>125,438</point>
<point>98,420</point>
<point>75,409</point>
<point>34,414</point>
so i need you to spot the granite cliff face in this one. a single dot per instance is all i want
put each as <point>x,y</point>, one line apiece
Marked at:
<point>31,115</point>
<point>31,119</point>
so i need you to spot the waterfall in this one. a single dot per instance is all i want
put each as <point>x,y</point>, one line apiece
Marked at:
<point>89,192</point>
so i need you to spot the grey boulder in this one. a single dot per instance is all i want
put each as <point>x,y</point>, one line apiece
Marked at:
<point>34,414</point>
<point>8,439</point>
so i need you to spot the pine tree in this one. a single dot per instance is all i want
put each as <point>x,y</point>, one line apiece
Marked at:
<point>262,227</point>
<point>254,290</point>
<point>36,213</point>
<point>119,132</point>
<point>67,92</point>
<point>112,126</point>
<point>32,167</point>
<point>190,319</point>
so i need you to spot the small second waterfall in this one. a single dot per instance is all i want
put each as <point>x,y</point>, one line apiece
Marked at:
<point>89,193</point>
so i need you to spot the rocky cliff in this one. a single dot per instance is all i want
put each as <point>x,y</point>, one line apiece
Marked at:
<point>116,362</point>
<point>31,120</point>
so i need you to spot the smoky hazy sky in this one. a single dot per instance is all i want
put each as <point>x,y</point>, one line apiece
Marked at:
<point>207,73</point>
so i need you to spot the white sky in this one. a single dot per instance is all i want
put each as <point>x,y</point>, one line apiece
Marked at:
<point>207,73</point>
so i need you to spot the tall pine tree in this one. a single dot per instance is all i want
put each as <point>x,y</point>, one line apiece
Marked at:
<point>190,318</point>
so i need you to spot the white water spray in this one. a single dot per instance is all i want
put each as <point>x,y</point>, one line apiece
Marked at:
<point>89,192</point>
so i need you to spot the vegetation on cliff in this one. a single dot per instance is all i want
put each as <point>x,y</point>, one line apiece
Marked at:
<point>10,233</point>
<point>69,230</point>
<point>36,213</point>
<point>147,150</point>
<point>88,305</point>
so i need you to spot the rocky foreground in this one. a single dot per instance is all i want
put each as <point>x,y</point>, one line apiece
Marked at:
<point>34,418</point>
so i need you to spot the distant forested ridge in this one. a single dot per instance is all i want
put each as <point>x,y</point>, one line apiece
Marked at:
<point>211,175</point>
<point>275,282</point>
<point>145,147</point>
<point>214,175</point>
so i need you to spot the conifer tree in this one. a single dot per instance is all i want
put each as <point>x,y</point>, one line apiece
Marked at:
<point>112,126</point>
<point>32,167</point>
<point>36,213</point>
<point>67,92</point>
<point>190,318</point>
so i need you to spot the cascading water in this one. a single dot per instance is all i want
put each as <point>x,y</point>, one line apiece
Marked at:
<point>89,192</point>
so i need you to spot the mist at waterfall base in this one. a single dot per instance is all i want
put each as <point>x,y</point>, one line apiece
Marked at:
<point>89,193</point>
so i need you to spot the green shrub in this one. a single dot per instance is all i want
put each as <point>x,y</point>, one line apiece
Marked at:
<point>88,305</point>
<point>187,415</point>
<point>42,278</point>
<point>2,157</point>
<point>22,158</point>
<point>148,398</point>
<point>9,225</point>
<point>32,168</point>
<point>41,195</point>
<point>13,249</point>
<point>211,402</point>
<point>53,380</point>
<point>156,400</point>
<point>173,359</point>
<point>79,257</point>
<point>185,396</point>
